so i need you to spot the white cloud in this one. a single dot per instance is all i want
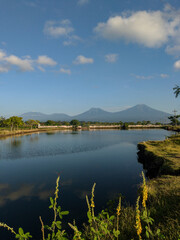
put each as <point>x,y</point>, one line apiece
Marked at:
<point>72,40</point>
<point>58,28</point>
<point>177,65</point>
<point>2,55</point>
<point>82,2</point>
<point>164,75</point>
<point>83,60</point>
<point>45,60</point>
<point>173,50</point>
<point>23,64</point>
<point>4,69</point>
<point>66,71</point>
<point>143,77</point>
<point>62,29</point>
<point>41,68</point>
<point>149,28</point>
<point>111,58</point>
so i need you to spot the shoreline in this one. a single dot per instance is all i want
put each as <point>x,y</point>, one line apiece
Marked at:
<point>8,133</point>
<point>162,155</point>
<point>161,160</point>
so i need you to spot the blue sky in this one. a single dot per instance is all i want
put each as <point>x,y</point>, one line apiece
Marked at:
<point>66,56</point>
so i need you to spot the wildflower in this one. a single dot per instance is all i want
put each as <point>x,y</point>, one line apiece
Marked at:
<point>8,228</point>
<point>87,200</point>
<point>92,201</point>
<point>119,207</point>
<point>56,191</point>
<point>92,196</point>
<point>77,233</point>
<point>145,191</point>
<point>138,220</point>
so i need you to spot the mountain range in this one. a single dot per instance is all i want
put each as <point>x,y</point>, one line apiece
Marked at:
<point>139,112</point>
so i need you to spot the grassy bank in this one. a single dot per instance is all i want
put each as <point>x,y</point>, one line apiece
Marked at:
<point>173,128</point>
<point>163,154</point>
<point>163,157</point>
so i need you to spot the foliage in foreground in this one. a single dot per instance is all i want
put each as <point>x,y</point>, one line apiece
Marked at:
<point>126,223</point>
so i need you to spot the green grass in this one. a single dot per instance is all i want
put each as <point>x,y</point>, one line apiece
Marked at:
<point>164,204</point>
<point>167,150</point>
<point>164,191</point>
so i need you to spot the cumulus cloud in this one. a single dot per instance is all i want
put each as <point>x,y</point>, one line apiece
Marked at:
<point>45,60</point>
<point>66,71</point>
<point>83,60</point>
<point>24,64</point>
<point>149,28</point>
<point>177,65</point>
<point>82,2</point>
<point>58,28</point>
<point>62,29</point>
<point>111,58</point>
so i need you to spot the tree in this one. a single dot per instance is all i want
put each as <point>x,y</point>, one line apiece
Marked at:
<point>14,122</point>
<point>32,123</point>
<point>75,123</point>
<point>174,119</point>
<point>2,122</point>
<point>50,123</point>
<point>65,123</point>
<point>125,126</point>
<point>176,91</point>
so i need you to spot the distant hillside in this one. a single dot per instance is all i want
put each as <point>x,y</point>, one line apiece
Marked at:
<point>44,117</point>
<point>94,114</point>
<point>142,112</point>
<point>137,113</point>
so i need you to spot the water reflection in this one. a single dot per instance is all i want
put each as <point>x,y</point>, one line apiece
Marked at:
<point>16,142</point>
<point>80,193</point>
<point>107,157</point>
<point>34,137</point>
<point>50,133</point>
<point>25,191</point>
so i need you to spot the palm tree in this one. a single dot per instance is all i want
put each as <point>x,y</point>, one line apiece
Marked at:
<point>176,90</point>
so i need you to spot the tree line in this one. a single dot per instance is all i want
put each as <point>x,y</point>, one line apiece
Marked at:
<point>15,122</point>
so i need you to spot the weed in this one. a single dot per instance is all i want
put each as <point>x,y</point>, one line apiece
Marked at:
<point>126,223</point>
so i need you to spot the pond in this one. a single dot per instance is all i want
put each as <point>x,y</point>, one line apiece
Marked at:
<point>30,164</point>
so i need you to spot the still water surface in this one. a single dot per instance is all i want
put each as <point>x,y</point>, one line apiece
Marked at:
<point>29,166</point>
